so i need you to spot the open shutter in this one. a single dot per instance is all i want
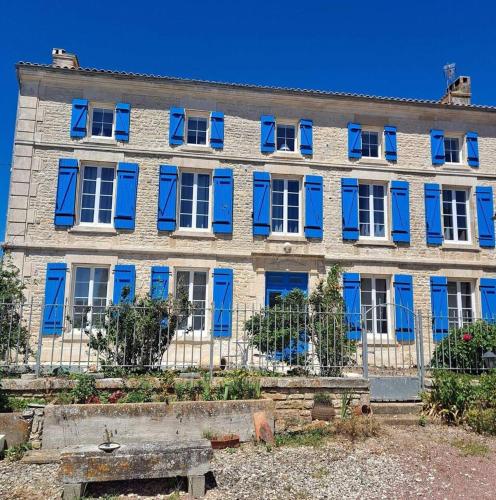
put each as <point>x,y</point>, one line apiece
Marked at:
<point>488,299</point>
<point>403,298</point>
<point>65,202</point>
<point>485,213</point>
<point>400,204</point>
<point>79,117</point>
<point>261,203</point>
<point>349,206</point>
<point>223,302</point>
<point>223,201</point>
<point>354,140</point>
<point>217,130</point>
<point>167,196</point>
<point>314,199</point>
<point>267,138</point>
<point>472,149</point>
<point>124,278</point>
<point>437,147</point>
<point>122,119</point>
<point>439,305</point>
<point>176,126</point>
<point>53,313</point>
<point>127,190</point>
<point>432,195</point>
<point>391,150</point>
<point>159,287</point>
<point>351,297</point>
<point>306,137</point>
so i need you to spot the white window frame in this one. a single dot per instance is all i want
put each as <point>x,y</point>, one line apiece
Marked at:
<point>371,210</point>
<point>461,149</point>
<point>195,198</point>
<point>380,140</point>
<point>106,107</point>
<point>459,308</point>
<point>375,334</point>
<point>285,232</point>
<point>96,208</point>
<point>288,123</point>
<point>453,190</point>
<point>191,113</point>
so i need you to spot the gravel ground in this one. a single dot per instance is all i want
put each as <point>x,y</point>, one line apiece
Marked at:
<point>403,463</point>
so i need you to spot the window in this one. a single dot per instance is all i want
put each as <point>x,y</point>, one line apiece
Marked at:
<point>197,130</point>
<point>285,206</point>
<point>455,215</point>
<point>460,305</point>
<point>370,144</point>
<point>452,150</point>
<point>372,210</point>
<point>192,285</point>
<point>194,211</point>
<point>102,122</point>
<point>97,194</point>
<point>90,296</point>
<point>374,300</point>
<point>286,135</point>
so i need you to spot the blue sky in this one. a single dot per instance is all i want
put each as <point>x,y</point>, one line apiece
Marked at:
<point>374,47</point>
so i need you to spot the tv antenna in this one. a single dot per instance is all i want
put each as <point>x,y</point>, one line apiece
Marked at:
<point>449,73</point>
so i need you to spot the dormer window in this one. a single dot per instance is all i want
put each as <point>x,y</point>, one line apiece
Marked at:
<point>370,144</point>
<point>286,135</point>
<point>102,122</point>
<point>452,149</point>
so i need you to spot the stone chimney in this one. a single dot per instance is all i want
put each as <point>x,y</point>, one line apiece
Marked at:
<point>458,92</point>
<point>62,59</point>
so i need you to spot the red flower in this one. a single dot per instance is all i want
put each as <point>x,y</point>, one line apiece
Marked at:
<point>115,396</point>
<point>93,400</point>
<point>467,337</point>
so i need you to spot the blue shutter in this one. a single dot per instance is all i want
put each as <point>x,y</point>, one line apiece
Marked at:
<point>65,202</point>
<point>403,298</point>
<point>127,190</point>
<point>439,305</point>
<point>349,206</point>
<point>79,117</point>
<point>167,196</point>
<point>124,278</point>
<point>391,149</point>
<point>351,297</point>
<point>306,137</point>
<point>53,313</point>
<point>267,137</point>
<point>223,302</point>
<point>472,149</point>
<point>223,201</point>
<point>261,203</point>
<point>400,203</point>
<point>437,147</point>
<point>176,126</point>
<point>314,200</point>
<point>485,213</point>
<point>159,287</point>
<point>122,119</point>
<point>217,130</point>
<point>488,299</point>
<point>354,140</point>
<point>432,194</point>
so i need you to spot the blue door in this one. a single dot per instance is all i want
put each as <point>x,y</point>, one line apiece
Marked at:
<point>279,284</point>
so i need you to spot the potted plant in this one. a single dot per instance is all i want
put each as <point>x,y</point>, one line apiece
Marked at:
<point>322,407</point>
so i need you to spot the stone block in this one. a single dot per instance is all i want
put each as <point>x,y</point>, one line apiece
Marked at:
<point>14,428</point>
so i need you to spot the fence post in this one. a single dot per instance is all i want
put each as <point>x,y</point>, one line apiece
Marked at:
<point>365,350</point>
<point>419,336</point>
<point>40,341</point>
<point>211,361</point>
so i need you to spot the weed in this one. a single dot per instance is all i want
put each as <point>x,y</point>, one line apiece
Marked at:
<point>320,473</point>
<point>15,453</point>
<point>470,448</point>
<point>357,427</point>
<point>314,437</point>
<point>422,421</point>
<point>323,398</point>
<point>20,404</point>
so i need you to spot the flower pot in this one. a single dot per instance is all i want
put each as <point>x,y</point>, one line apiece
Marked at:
<point>219,443</point>
<point>323,412</point>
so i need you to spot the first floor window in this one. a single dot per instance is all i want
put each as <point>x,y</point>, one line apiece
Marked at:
<point>285,206</point>
<point>197,130</point>
<point>370,144</point>
<point>102,123</point>
<point>192,286</point>
<point>194,205</point>
<point>460,306</point>
<point>97,192</point>
<point>90,296</point>
<point>374,300</point>
<point>286,137</point>
<point>451,150</point>
<point>372,210</point>
<point>455,215</point>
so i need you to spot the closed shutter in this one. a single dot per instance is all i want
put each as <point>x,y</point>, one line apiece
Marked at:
<point>167,196</point>
<point>472,149</point>
<point>223,302</point>
<point>485,214</point>
<point>122,119</point>
<point>437,147</point>
<point>439,305</point>
<point>267,137</point>
<point>124,281</point>
<point>349,207</point>
<point>351,297</point>
<point>53,313</point>
<point>261,203</point>
<point>65,203</point>
<point>176,126</point>
<point>217,130</point>
<point>403,298</point>
<point>400,205</point>
<point>432,195</point>
<point>488,299</point>
<point>354,140</point>
<point>79,117</point>
<point>223,201</point>
<point>127,190</point>
<point>159,287</point>
<point>314,199</point>
<point>391,150</point>
<point>306,137</point>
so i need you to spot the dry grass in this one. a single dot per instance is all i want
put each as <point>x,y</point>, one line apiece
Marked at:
<point>357,427</point>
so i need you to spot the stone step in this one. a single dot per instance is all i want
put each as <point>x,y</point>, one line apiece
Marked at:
<point>41,457</point>
<point>393,409</point>
<point>402,420</point>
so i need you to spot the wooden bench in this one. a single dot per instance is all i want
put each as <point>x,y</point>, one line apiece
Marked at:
<point>88,464</point>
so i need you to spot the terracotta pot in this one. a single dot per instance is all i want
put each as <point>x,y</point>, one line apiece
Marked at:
<point>219,443</point>
<point>323,412</point>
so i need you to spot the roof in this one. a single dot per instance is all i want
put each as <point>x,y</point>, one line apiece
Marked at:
<point>233,85</point>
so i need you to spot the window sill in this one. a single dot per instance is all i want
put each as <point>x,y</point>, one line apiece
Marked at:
<point>375,243</point>
<point>100,140</point>
<point>198,148</point>
<point>207,235</point>
<point>460,248</point>
<point>298,238</point>
<point>293,155</point>
<point>92,230</point>
<point>374,161</point>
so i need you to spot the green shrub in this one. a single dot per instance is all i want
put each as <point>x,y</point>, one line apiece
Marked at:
<point>482,420</point>
<point>84,389</point>
<point>20,404</point>
<point>15,453</point>
<point>143,393</point>
<point>323,398</point>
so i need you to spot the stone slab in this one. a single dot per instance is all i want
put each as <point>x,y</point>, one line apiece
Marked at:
<point>15,428</point>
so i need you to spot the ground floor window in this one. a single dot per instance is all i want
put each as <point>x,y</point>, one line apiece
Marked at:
<point>374,300</point>
<point>279,284</point>
<point>192,285</point>
<point>460,303</point>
